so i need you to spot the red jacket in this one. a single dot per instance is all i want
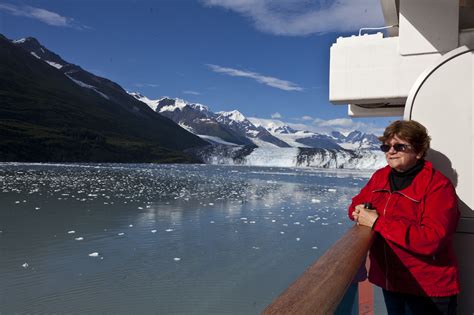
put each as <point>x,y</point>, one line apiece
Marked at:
<point>412,251</point>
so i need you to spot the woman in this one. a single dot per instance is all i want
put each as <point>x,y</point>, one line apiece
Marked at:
<point>414,214</point>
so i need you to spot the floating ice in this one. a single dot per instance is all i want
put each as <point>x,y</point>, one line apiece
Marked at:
<point>71,232</point>
<point>332,190</point>
<point>298,239</point>
<point>315,200</point>
<point>37,208</point>
<point>211,204</point>
<point>79,238</point>
<point>212,222</point>
<point>25,265</point>
<point>282,232</point>
<point>94,254</point>
<point>120,234</point>
<point>153,231</point>
<point>169,230</point>
<point>131,225</point>
<point>176,259</point>
<point>314,247</point>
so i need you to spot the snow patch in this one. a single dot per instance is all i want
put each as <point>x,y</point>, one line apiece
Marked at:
<point>54,64</point>
<point>35,55</point>
<point>87,86</point>
<point>215,140</point>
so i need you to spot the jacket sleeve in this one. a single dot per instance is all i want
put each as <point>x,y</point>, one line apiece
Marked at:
<point>361,197</point>
<point>438,223</point>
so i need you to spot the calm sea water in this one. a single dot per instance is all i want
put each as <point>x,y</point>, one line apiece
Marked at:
<point>143,238</point>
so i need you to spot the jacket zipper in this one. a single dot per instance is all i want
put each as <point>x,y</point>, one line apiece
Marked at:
<point>385,244</point>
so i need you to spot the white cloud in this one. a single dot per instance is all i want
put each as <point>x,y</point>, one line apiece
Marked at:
<point>276,115</point>
<point>344,125</point>
<point>42,15</point>
<point>191,92</point>
<point>304,17</point>
<point>270,81</point>
<point>337,122</point>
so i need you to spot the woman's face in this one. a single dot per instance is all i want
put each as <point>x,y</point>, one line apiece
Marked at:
<point>401,160</point>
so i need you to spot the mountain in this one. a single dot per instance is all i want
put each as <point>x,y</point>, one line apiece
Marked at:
<point>237,122</point>
<point>233,128</point>
<point>355,140</point>
<point>199,120</point>
<point>223,127</point>
<point>54,111</point>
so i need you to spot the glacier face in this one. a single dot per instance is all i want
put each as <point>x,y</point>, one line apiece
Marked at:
<point>292,157</point>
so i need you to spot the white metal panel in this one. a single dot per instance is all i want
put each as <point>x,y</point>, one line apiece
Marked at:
<point>443,101</point>
<point>428,26</point>
<point>368,69</point>
<point>389,111</point>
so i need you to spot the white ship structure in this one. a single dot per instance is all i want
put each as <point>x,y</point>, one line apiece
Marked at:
<point>422,69</point>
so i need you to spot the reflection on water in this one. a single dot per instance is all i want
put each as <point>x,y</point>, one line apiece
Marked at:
<point>162,239</point>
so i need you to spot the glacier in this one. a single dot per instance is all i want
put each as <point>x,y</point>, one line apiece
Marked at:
<point>292,157</point>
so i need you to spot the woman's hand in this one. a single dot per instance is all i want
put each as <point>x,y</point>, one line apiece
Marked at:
<point>364,216</point>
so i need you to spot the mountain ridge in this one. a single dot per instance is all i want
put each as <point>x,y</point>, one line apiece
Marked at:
<point>48,117</point>
<point>258,132</point>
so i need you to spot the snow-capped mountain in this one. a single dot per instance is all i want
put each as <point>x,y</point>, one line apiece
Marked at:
<point>40,52</point>
<point>237,122</point>
<point>355,140</point>
<point>153,104</point>
<point>231,128</point>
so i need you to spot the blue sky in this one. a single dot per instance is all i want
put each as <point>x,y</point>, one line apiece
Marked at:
<point>263,57</point>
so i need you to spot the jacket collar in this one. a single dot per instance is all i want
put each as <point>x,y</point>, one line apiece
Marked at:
<point>414,191</point>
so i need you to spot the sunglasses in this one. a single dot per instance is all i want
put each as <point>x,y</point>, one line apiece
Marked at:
<point>398,147</point>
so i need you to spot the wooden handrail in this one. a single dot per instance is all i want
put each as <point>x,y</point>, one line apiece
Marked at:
<point>321,287</point>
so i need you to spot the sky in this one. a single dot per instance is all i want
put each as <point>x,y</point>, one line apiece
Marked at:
<point>265,58</point>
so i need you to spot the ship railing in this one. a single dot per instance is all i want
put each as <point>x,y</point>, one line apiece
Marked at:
<point>321,288</point>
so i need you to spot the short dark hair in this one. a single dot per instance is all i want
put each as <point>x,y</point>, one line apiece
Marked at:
<point>411,131</point>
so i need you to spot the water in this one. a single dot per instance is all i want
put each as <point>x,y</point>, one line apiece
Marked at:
<point>114,238</point>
